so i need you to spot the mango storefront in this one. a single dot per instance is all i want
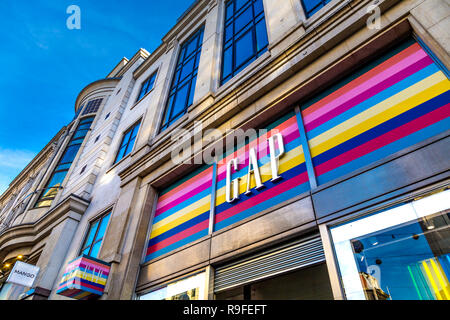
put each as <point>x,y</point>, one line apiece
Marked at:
<point>343,196</point>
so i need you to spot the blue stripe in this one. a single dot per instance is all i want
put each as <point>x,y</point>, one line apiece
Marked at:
<point>287,175</point>
<point>182,205</point>
<point>243,172</point>
<point>373,101</point>
<point>386,151</point>
<point>186,225</point>
<point>383,128</point>
<point>263,205</point>
<point>176,245</point>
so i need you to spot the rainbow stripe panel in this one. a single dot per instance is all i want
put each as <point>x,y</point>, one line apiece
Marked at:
<point>292,169</point>
<point>182,214</point>
<point>399,100</point>
<point>84,278</point>
<point>431,278</point>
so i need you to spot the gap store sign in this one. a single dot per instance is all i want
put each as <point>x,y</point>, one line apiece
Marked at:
<point>392,103</point>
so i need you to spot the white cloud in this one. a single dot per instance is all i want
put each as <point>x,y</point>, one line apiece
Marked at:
<point>12,162</point>
<point>15,159</point>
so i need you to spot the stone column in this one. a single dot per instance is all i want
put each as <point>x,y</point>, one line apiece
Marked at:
<point>431,22</point>
<point>126,238</point>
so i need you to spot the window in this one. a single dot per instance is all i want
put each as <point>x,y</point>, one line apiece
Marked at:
<point>127,144</point>
<point>95,235</point>
<point>312,6</point>
<point>191,288</point>
<point>92,106</point>
<point>147,86</point>
<point>402,253</point>
<point>181,94</point>
<point>54,184</point>
<point>245,36</point>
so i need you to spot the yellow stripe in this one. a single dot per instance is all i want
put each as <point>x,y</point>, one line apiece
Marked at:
<point>388,109</point>
<point>87,276</point>
<point>430,277</point>
<point>82,295</point>
<point>288,161</point>
<point>442,282</point>
<point>185,214</point>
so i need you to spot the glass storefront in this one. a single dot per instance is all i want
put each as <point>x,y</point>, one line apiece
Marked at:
<point>402,253</point>
<point>192,288</point>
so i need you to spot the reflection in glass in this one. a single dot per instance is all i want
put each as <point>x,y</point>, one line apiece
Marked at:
<point>191,288</point>
<point>400,254</point>
<point>50,191</point>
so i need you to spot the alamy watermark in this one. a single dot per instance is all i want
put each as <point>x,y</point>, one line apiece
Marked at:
<point>73,22</point>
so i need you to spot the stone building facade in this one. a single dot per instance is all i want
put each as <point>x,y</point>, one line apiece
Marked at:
<point>340,193</point>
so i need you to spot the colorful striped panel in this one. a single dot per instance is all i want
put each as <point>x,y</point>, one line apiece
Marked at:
<point>182,214</point>
<point>292,169</point>
<point>84,278</point>
<point>398,101</point>
<point>431,278</point>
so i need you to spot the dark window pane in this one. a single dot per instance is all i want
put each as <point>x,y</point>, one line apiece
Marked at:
<point>229,12</point>
<point>246,40</point>
<point>96,249</point>
<point>135,130</point>
<point>127,142</point>
<point>259,7</point>
<point>70,154</point>
<point>181,93</point>
<point>244,48</point>
<point>91,234</point>
<point>240,4</point>
<point>312,6</point>
<point>191,47</point>
<point>227,62</point>
<point>102,228</point>
<point>180,100</point>
<point>261,35</point>
<point>228,32</point>
<point>243,19</point>
<point>187,68</point>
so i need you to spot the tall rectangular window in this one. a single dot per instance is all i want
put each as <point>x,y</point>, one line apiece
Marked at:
<point>94,237</point>
<point>312,6</point>
<point>147,85</point>
<point>245,36</point>
<point>181,94</point>
<point>54,184</point>
<point>127,144</point>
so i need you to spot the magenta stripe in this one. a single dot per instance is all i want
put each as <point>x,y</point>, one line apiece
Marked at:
<point>289,134</point>
<point>183,198</point>
<point>370,93</point>
<point>400,67</point>
<point>195,185</point>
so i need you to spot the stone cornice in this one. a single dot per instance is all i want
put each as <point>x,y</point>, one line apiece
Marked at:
<point>269,74</point>
<point>34,164</point>
<point>92,87</point>
<point>31,233</point>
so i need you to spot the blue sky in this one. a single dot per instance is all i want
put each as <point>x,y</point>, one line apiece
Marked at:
<point>45,65</point>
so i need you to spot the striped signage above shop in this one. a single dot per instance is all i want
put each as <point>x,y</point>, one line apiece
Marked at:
<point>182,214</point>
<point>395,102</point>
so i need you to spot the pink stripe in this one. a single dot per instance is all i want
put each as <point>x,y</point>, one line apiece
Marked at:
<point>259,198</point>
<point>289,134</point>
<point>399,67</point>
<point>189,185</point>
<point>183,198</point>
<point>385,139</point>
<point>179,236</point>
<point>280,128</point>
<point>369,93</point>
